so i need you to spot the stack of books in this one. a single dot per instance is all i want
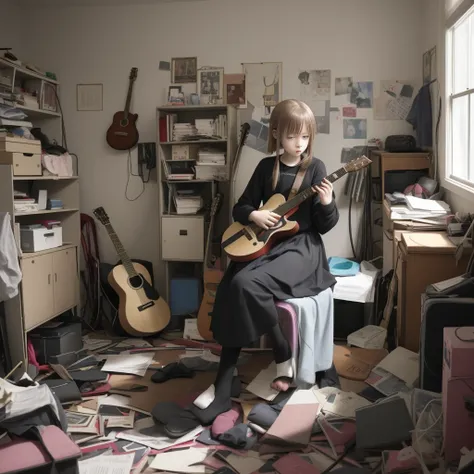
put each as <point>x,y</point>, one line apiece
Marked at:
<point>211,165</point>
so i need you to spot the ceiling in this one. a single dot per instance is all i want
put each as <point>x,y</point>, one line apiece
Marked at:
<point>95,2</point>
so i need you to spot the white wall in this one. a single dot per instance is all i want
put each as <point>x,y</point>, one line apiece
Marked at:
<point>11,30</point>
<point>366,39</point>
<point>433,34</point>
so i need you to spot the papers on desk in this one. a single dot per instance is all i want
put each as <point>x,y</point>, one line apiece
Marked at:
<point>420,209</point>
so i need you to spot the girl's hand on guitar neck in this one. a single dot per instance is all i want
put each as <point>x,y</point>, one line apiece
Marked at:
<point>264,219</point>
<point>325,192</point>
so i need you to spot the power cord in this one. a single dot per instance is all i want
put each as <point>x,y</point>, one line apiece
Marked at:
<point>130,173</point>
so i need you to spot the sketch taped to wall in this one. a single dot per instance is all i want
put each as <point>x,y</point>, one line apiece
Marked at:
<point>355,128</point>
<point>263,90</point>
<point>343,85</point>
<point>362,94</point>
<point>394,101</point>
<point>315,85</point>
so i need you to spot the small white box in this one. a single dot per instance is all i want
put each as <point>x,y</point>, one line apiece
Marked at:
<point>35,240</point>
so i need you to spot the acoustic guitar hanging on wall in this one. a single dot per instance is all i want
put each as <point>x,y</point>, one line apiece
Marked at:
<point>122,133</point>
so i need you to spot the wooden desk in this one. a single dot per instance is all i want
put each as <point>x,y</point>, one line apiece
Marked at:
<point>423,258</point>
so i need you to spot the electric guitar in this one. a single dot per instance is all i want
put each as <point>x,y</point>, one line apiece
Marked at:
<point>122,133</point>
<point>245,243</point>
<point>142,311</point>
<point>212,277</point>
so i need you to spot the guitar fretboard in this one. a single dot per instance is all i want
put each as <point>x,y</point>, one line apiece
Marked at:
<point>126,262</point>
<point>299,198</point>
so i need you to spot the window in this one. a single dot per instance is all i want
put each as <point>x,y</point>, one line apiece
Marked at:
<point>460,91</point>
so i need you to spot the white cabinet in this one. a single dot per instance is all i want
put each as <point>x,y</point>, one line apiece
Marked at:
<point>49,285</point>
<point>182,238</point>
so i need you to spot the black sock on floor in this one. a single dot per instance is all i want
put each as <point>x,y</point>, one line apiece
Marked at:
<point>328,378</point>
<point>281,346</point>
<point>223,387</point>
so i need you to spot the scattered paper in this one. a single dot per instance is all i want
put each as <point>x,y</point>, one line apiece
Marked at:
<point>344,404</point>
<point>402,363</point>
<point>191,330</point>
<point>385,382</point>
<point>260,385</point>
<point>132,342</point>
<point>242,464</point>
<point>368,337</point>
<point>117,464</point>
<point>322,394</point>
<point>188,461</point>
<point>135,364</point>
<point>147,433</point>
<point>93,344</point>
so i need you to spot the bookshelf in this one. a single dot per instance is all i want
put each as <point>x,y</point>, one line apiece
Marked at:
<point>50,277</point>
<point>183,231</point>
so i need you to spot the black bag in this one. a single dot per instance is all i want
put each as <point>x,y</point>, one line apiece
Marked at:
<point>400,144</point>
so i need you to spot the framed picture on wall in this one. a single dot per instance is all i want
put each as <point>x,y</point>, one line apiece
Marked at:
<point>210,83</point>
<point>183,70</point>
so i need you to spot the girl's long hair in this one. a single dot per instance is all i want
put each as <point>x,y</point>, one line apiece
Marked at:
<point>289,117</point>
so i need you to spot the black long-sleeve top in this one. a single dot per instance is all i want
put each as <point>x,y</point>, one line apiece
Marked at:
<point>311,215</point>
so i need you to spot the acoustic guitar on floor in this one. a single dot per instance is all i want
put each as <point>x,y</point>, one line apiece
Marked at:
<point>122,133</point>
<point>142,311</point>
<point>245,243</point>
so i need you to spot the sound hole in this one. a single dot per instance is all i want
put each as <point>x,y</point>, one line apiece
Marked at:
<point>136,282</point>
<point>124,122</point>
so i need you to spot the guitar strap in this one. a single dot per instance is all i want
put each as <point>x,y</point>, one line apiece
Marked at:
<point>297,182</point>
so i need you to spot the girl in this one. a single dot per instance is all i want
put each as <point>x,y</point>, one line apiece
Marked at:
<point>244,308</point>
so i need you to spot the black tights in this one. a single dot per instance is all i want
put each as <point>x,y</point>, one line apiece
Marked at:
<point>225,374</point>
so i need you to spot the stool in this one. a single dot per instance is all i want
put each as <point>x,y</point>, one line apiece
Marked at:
<point>289,312</point>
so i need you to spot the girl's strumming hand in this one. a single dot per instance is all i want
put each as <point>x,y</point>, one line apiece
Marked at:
<point>264,219</point>
<point>325,192</point>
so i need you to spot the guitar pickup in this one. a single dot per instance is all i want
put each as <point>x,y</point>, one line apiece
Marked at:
<point>247,233</point>
<point>149,304</point>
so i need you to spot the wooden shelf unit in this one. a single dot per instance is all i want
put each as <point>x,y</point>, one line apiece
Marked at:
<point>12,75</point>
<point>182,236</point>
<point>50,278</point>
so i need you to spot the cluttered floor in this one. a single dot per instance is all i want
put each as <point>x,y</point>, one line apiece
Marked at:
<point>118,398</point>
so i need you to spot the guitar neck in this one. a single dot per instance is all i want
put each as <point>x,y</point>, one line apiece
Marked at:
<point>307,193</point>
<point>129,98</point>
<point>126,262</point>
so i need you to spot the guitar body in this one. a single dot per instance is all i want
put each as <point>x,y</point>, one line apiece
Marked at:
<point>251,245</point>
<point>122,133</point>
<point>212,278</point>
<point>142,311</point>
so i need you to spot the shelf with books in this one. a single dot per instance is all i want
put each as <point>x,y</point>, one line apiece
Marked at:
<point>199,143</point>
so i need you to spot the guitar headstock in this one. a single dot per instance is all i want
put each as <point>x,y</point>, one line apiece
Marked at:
<point>216,202</point>
<point>133,73</point>
<point>244,132</point>
<point>101,215</point>
<point>357,164</point>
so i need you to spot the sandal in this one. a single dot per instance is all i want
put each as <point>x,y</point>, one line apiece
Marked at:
<point>174,370</point>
